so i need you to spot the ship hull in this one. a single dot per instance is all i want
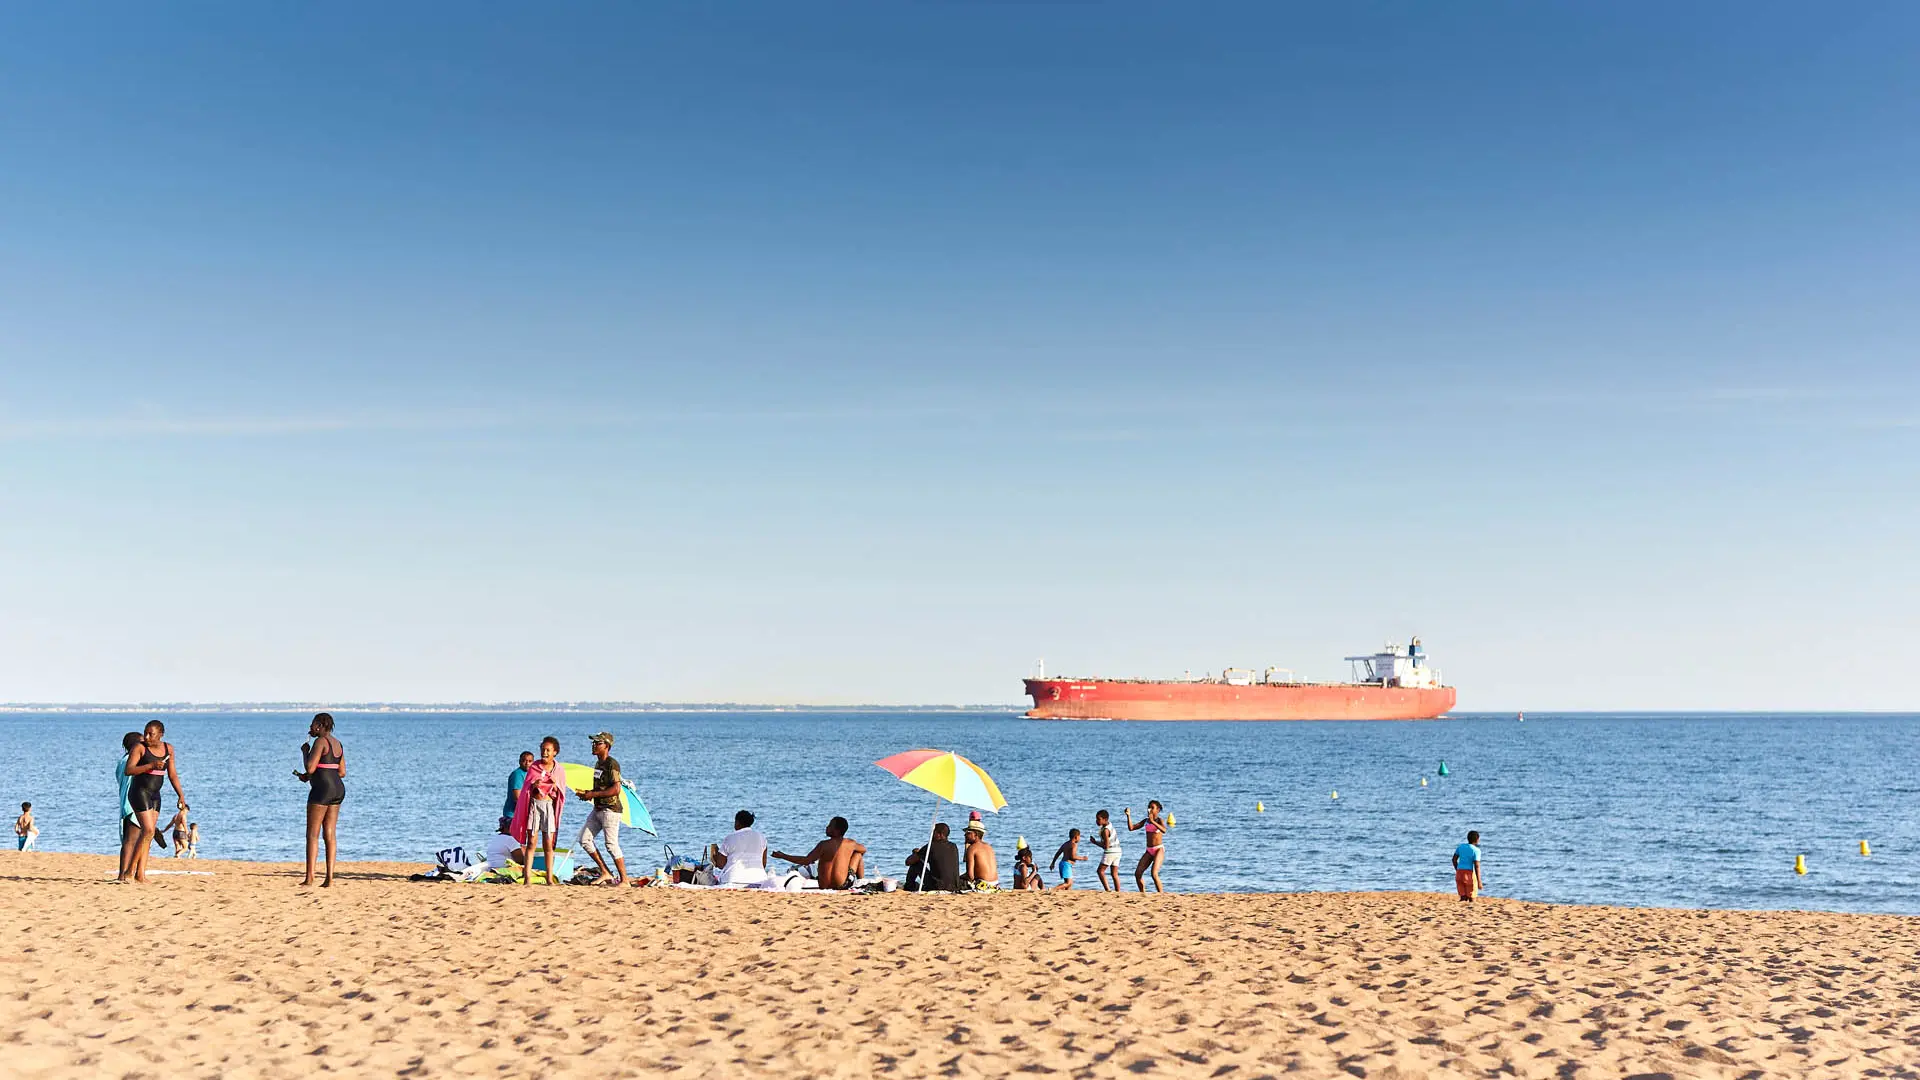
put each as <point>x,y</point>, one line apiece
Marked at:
<point>1127,699</point>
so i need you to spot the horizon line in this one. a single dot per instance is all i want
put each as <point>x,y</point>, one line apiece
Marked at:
<point>582,706</point>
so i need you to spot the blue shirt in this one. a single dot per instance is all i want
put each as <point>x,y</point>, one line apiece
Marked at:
<point>1469,856</point>
<point>515,782</point>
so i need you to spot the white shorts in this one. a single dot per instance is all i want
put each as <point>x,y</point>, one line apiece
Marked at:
<point>541,820</point>
<point>1111,858</point>
<point>606,822</point>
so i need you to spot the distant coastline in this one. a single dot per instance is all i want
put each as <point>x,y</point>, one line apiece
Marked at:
<point>484,707</point>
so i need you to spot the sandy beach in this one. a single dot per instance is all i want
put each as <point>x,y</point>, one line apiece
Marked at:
<point>244,973</point>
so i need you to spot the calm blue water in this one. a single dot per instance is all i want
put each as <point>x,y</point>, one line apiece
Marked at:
<point>1704,811</point>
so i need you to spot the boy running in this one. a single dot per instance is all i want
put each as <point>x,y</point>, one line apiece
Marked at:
<point>1068,854</point>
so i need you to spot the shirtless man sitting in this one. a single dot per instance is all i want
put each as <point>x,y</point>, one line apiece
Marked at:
<point>837,861</point>
<point>983,870</point>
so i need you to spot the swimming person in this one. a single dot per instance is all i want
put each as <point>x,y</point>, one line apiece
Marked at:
<point>326,776</point>
<point>604,818</point>
<point>1466,867</point>
<point>151,765</point>
<point>1066,856</point>
<point>516,780</point>
<point>536,817</point>
<point>838,861</point>
<point>1109,840</point>
<point>1156,853</point>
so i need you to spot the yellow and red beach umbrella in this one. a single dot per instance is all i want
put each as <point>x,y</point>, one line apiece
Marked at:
<point>947,775</point>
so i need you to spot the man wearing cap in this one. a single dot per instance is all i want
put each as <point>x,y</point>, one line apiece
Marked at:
<point>605,816</point>
<point>983,870</point>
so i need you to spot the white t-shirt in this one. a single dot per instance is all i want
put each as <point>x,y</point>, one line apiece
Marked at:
<point>746,852</point>
<point>500,849</point>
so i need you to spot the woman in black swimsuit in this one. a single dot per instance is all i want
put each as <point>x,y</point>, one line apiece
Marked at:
<point>150,764</point>
<point>326,775</point>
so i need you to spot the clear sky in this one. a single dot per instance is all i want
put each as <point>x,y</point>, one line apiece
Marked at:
<point>869,353</point>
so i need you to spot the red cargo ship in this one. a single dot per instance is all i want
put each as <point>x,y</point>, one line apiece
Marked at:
<point>1393,684</point>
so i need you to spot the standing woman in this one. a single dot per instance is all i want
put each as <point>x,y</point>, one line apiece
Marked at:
<point>326,775</point>
<point>151,764</point>
<point>129,823</point>
<point>1156,846</point>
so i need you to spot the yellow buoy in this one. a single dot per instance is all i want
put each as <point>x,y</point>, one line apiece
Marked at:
<point>1865,851</point>
<point>1170,822</point>
<point>1336,794</point>
<point>1259,808</point>
<point>1423,781</point>
<point>1799,864</point>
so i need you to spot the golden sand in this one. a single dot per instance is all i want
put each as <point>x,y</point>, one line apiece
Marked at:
<point>246,974</point>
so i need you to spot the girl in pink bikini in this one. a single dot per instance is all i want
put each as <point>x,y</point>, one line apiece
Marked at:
<point>1156,846</point>
<point>325,774</point>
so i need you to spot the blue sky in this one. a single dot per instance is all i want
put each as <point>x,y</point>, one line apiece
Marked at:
<point>871,353</point>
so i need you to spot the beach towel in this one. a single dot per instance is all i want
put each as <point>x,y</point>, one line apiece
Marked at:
<point>518,829</point>
<point>126,786</point>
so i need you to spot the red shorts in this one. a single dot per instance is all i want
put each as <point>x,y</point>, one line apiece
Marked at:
<point>1467,882</point>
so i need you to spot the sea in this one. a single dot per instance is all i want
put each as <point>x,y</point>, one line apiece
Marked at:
<point>1645,810</point>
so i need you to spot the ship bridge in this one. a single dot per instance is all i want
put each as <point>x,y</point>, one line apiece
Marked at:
<point>1396,665</point>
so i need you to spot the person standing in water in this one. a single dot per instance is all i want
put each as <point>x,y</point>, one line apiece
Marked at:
<point>151,763</point>
<point>1156,854</point>
<point>23,827</point>
<point>178,828</point>
<point>325,774</point>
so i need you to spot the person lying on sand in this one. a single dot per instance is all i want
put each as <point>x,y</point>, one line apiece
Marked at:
<point>983,870</point>
<point>838,861</point>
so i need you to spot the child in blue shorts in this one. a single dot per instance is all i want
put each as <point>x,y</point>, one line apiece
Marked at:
<point>1068,854</point>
